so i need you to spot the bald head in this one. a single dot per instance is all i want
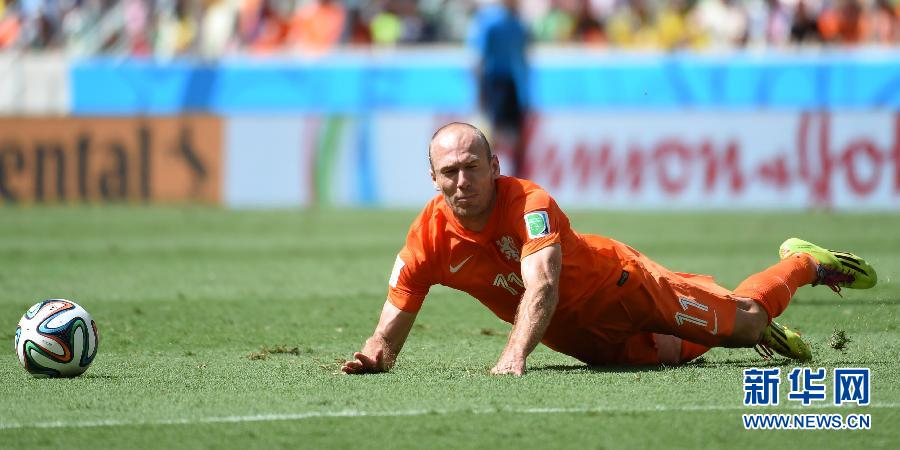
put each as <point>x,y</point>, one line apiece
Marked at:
<point>458,135</point>
<point>465,172</point>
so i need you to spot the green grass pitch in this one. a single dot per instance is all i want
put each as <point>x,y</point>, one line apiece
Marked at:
<point>185,299</point>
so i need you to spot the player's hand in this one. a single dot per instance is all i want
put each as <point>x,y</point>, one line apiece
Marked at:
<point>509,366</point>
<point>364,364</point>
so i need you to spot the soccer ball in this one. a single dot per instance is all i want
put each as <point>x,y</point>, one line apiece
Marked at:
<point>56,338</point>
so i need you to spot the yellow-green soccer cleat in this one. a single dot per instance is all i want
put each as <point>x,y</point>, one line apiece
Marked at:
<point>836,269</point>
<point>785,342</point>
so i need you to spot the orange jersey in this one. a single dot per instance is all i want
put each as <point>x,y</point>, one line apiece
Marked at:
<point>486,265</point>
<point>613,301</point>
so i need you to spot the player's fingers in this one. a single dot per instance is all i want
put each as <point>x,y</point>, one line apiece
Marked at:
<point>365,360</point>
<point>507,370</point>
<point>353,365</point>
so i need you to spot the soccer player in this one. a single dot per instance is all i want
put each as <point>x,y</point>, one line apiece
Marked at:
<point>504,241</point>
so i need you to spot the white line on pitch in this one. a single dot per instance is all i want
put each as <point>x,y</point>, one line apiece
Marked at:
<point>416,412</point>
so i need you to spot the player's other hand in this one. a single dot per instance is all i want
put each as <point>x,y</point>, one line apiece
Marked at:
<point>509,366</point>
<point>362,363</point>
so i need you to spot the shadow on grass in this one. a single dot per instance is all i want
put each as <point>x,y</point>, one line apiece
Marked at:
<point>835,302</point>
<point>598,369</point>
<point>105,376</point>
<point>774,362</point>
<point>660,368</point>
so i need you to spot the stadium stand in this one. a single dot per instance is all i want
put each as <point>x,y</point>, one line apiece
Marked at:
<point>213,28</point>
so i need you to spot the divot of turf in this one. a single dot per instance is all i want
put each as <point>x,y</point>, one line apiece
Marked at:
<point>265,351</point>
<point>839,340</point>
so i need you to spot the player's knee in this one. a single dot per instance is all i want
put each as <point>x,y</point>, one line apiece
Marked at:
<point>668,349</point>
<point>749,326</point>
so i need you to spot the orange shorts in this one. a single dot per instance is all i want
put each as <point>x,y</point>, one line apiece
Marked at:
<point>655,316</point>
<point>691,307</point>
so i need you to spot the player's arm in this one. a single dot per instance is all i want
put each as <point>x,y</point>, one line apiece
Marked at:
<point>380,351</point>
<point>540,272</point>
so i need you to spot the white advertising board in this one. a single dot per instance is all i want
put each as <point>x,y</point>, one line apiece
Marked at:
<point>691,160</point>
<point>728,160</point>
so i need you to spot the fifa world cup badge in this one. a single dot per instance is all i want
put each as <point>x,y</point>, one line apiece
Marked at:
<point>537,224</point>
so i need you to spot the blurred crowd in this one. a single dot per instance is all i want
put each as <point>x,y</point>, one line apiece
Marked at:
<point>212,28</point>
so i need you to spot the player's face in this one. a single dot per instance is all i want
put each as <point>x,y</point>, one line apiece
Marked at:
<point>462,171</point>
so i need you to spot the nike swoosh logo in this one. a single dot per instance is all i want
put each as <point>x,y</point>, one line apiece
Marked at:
<point>454,269</point>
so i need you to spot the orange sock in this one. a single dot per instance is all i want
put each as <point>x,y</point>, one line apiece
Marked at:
<point>774,287</point>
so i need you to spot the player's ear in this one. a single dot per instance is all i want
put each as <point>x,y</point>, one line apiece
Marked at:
<point>434,180</point>
<point>495,166</point>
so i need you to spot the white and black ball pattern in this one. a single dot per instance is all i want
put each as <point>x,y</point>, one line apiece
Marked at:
<point>56,338</point>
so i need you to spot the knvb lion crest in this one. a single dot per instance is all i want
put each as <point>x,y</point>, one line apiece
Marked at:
<point>508,247</point>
